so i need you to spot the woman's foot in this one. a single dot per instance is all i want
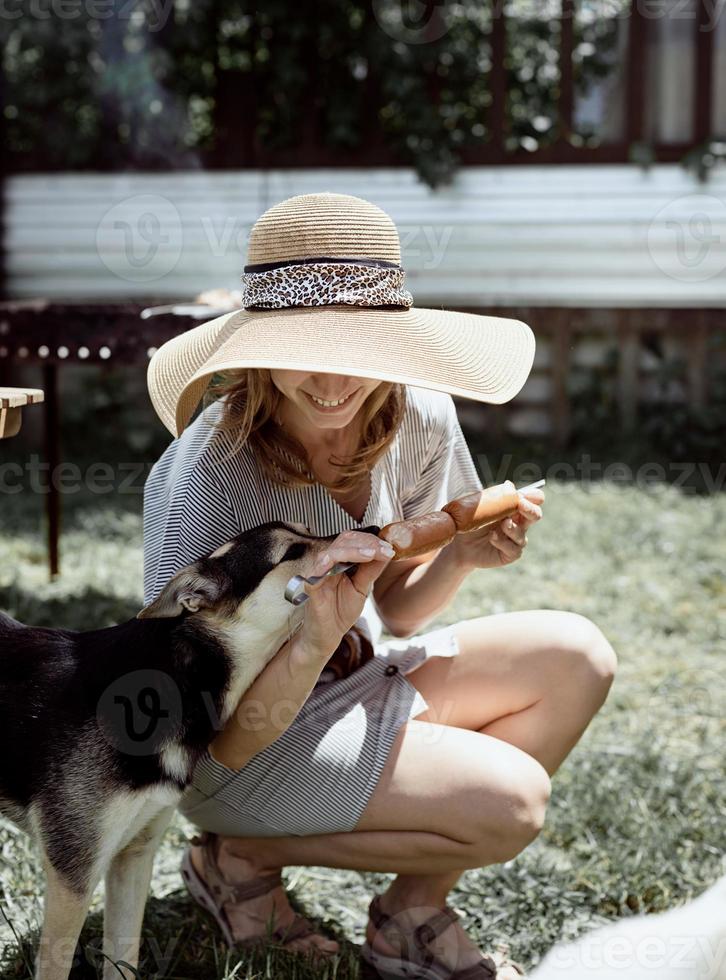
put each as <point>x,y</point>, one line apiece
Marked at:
<point>451,948</point>
<point>253,918</point>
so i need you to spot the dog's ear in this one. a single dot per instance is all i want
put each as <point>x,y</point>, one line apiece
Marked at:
<point>189,589</point>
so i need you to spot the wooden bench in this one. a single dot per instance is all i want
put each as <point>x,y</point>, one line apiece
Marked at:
<point>12,402</point>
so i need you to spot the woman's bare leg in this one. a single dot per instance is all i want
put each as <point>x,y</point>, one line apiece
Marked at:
<point>534,678</point>
<point>547,674</point>
<point>489,806</point>
<point>520,694</point>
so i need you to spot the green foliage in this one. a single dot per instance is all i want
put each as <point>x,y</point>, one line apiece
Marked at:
<point>229,83</point>
<point>670,429</point>
<point>685,432</point>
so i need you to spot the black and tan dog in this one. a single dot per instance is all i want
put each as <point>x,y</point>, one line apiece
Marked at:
<point>101,730</point>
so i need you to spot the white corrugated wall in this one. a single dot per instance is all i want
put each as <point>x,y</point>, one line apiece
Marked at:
<point>546,235</point>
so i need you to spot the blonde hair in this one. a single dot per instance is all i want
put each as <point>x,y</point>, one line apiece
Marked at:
<point>251,401</point>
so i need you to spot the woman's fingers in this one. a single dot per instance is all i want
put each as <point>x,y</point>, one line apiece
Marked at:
<point>336,601</point>
<point>367,572</point>
<point>514,531</point>
<point>353,546</point>
<point>369,552</point>
<point>510,549</point>
<point>530,510</point>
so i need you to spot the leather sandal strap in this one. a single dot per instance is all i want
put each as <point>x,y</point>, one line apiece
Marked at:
<point>376,914</point>
<point>432,928</point>
<point>222,890</point>
<point>486,970</point>
<point>252,889</point>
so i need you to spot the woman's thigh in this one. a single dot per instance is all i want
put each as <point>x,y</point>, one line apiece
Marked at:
<point>509,662</point>
<point>460,784</point>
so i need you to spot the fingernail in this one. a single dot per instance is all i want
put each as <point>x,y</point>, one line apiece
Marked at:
<point>387,550</point>
<point>368,552</point>
<point>321,565</point>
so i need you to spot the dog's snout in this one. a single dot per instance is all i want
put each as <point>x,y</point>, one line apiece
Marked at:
<point>371,529</point>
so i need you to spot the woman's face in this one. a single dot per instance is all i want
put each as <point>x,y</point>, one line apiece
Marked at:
<point>321,401</point>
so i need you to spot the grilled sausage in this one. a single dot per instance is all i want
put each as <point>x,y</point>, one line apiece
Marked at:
<point>419,535</point>
<point>483,507</point>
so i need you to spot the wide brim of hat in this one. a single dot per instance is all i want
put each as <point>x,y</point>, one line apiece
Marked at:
<point>485,358</point>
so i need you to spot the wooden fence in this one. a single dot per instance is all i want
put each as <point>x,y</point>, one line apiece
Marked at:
<point>39,338</point>
<point>595,258</point>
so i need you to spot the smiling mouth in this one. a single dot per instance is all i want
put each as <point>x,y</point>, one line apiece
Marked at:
<point>334,403</point>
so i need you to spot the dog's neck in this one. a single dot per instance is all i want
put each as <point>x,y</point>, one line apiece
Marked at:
<point>249,648</point>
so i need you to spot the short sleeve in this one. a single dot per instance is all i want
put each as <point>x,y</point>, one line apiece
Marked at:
<point>185,517</point>
<point>448,471</point>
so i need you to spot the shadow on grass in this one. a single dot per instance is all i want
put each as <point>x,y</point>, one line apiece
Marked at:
<point>180,941</point>
<point>88,609</point>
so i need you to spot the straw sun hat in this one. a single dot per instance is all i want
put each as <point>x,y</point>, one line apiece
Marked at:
<point>323,291</point>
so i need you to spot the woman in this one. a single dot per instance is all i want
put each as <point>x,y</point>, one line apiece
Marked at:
<point>422,756</point>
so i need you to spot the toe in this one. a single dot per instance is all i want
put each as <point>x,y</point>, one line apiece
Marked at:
<point>325,945</point>
<point>315,944</point>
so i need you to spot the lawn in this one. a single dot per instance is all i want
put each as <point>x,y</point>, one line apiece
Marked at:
<point>637,822</point>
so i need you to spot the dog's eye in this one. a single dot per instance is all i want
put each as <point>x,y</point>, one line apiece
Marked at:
<point>296,550</point>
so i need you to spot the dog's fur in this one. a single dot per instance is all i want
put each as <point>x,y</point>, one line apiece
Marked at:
<point>101,730</point>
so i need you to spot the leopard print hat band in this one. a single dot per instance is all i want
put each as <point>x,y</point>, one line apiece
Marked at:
<point>325,282</point>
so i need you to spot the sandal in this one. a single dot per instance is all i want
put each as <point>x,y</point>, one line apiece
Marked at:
<point>419,963</point>
<point>213,892</point>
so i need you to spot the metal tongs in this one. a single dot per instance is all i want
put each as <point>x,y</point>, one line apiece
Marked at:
<point>295,591</point>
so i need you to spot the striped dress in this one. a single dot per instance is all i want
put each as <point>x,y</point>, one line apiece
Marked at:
<point>319,774</point>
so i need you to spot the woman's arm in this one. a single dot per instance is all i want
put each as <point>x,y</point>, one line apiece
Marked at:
<point>272,702</point>
<point>412,592</point>
<point>409,594</point>
<point>268,708</point>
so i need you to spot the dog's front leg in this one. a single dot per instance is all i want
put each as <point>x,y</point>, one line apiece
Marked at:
<point>127,885</point>
<point>64,915</point>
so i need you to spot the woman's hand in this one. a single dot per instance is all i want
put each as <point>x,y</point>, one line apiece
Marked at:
<point>336,602</point>
<point>501,543</point>
<point>269,706</point>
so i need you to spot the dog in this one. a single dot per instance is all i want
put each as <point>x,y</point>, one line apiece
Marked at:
<point>102,729</point>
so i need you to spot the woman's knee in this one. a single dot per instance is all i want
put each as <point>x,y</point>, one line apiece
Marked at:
<point>590,659</point>
<point>513,813</point>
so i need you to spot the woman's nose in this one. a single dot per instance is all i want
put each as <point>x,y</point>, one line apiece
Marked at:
<point>331,385</point>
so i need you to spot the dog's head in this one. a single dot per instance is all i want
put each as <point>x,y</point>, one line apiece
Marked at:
<point>240,587</point>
